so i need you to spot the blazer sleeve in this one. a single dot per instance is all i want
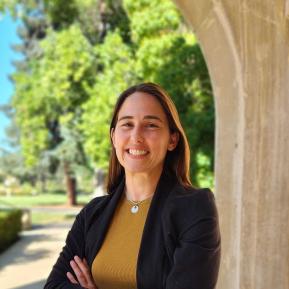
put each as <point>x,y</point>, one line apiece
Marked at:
<point>196,257</point>
<point>74,245</point>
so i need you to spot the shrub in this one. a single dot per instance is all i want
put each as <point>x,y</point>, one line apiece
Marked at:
<point>10,226</point>
<point>26,189</point>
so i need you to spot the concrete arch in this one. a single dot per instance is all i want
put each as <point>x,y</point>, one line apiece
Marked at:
<point>246,46</point>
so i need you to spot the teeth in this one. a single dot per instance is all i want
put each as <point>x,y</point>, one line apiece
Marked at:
<point>137,152</point>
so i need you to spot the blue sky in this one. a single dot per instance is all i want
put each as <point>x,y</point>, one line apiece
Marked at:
<point>8,36</point>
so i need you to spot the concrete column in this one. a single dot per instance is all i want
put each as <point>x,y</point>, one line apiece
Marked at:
<point>246,46</point>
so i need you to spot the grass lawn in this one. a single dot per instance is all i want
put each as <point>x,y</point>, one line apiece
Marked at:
<point>38,218</point>
<point>40,200</point>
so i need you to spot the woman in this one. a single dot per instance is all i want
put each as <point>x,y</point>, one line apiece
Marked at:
<point>153,230</point>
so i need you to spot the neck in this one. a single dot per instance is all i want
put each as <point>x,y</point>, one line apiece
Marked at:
<point>140,186</point>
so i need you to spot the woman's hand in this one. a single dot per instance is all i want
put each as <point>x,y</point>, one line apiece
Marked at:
<point>82,272</point>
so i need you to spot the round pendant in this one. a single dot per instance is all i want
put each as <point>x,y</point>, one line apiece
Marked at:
<point>134,209</point>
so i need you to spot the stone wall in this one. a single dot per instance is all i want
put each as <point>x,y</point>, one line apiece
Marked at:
<point>246,46</point>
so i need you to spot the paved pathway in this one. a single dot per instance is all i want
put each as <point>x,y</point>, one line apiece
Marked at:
<point>27,263</point>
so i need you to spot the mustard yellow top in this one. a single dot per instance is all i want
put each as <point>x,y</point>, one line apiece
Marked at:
<point>115,264</point>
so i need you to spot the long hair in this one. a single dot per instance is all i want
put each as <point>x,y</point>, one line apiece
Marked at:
<point>177,161</point>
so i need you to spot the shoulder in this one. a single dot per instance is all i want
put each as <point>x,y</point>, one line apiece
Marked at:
<point>188,206</point>
<point>95,203</point>
<point>182,198</point>
<point>96,206</point>
<point>92,209</point>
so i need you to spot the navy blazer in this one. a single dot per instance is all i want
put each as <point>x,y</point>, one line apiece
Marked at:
<point>180,245</point>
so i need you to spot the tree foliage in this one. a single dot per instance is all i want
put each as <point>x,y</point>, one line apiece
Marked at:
<point>116,64</point>
<point>50,95</point>
<point>89,52</point>
<point>168,54</point>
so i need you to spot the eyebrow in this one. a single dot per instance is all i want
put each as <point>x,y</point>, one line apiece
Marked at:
<point>145,117</point>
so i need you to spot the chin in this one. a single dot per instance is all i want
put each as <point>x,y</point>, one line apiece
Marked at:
<point>135,170</point>
<point>142,170</point>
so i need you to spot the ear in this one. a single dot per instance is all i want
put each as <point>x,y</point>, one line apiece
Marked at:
<point>112,136</point>
<point>174,139</point>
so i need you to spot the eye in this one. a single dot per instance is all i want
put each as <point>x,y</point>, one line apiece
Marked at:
<point>127,124</point>
<point>151,125</point>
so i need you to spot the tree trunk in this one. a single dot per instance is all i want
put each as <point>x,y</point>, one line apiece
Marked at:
<point>70,182</point>
<point>42,180</point>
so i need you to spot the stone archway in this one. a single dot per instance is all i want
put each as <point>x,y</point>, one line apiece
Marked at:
<point>246,46</point>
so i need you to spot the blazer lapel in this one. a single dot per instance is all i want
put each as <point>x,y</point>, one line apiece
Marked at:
<point>99,227</point>
<point>152,253</point>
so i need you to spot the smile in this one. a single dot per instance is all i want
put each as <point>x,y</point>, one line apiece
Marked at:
<point>137,152</point>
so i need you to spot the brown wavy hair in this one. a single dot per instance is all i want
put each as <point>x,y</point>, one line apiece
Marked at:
<point>177,161</point>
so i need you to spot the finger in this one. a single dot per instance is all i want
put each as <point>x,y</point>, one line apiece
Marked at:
<point>82,264</point>
<point>90,280</point>
<point>83,267</point>
<point>71,278</point>
<point>79,274</point>
<point>85,262</point>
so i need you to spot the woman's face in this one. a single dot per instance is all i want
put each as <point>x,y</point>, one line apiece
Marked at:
<point>141,136</point>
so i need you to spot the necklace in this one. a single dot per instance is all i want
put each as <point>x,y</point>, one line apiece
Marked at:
<point>134,209</point>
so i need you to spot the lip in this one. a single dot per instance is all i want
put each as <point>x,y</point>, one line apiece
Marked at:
<point>137,148</point>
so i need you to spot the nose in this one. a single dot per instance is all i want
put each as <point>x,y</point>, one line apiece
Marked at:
<point>136,135</point>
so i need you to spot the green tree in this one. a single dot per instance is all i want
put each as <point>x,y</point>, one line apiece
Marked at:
<point>116,72</point>
<point>11,158</point>
<point>55,138</point>
<point>91,51</point>
<point>48,99</point>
